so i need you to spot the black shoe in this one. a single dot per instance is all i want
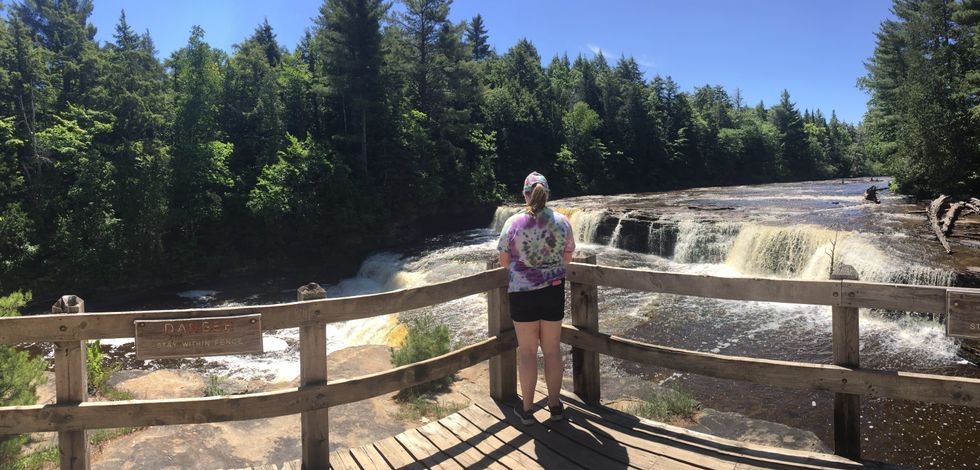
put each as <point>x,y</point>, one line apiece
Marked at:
<point>557,412</point>
<point>526,416</point>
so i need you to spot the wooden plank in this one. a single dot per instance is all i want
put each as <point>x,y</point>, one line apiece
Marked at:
<point>963,320</point>
<point>684,445</point>
<point>71,386</point>
<point>99,415</point>
<point>426,453</point>
<point>900,297</point>
<point>830,378</point>
<point>488,444</point>
<point>503,368</point>
<point>588,457</point>
<point>586,434</point>
<point>846,353</point>
<point>396,455</point>
<point>198,337</point>
<point>341,459</point>
<point>585,316</point>
<point>526,444</point>
<point>767,290</point>
<point>369,458</point>
<point>42,328</point>
<point>462,452</point>
<point>315,429</point>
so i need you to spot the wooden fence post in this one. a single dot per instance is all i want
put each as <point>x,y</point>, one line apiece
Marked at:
<point>71,386</point>
<point>585,316</point>
<point>313,371</point>
<point>503,367</point>
<point>846,347</point>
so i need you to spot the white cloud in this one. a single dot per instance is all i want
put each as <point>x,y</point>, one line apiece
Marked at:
<point>597,50</point>
<point>643,60</point>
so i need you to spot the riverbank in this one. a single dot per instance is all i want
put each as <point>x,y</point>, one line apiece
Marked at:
<point>253,442</point>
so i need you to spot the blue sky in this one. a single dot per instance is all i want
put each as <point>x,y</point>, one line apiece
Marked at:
<point>815,49</point>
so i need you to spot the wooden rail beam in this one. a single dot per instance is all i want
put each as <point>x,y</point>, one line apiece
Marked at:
<point>77,327</point>
<point>830,378</point>
<point>101,415</point>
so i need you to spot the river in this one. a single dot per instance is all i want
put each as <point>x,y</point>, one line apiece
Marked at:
<point>775,230</point>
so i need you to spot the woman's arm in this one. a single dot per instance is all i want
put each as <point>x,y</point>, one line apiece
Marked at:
<point>504,259</point>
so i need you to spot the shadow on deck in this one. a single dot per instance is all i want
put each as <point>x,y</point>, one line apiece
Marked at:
<point>488,434</point>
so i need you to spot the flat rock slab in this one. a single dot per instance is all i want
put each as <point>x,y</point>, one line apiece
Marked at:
<point>159,384</point>
<point>238,444</point>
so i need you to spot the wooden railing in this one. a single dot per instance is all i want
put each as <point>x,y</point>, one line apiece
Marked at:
<point>845,377</point>
<point>70,326</point>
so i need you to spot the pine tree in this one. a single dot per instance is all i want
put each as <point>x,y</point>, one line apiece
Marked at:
<point>349,35</point>
<point>477,38</point>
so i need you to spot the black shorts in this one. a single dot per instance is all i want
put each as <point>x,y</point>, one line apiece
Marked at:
<point>546,303</point>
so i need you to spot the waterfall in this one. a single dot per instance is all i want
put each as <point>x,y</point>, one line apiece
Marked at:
<point>804,252</point>
<point>704,242</point>
<point>585,224</point>
<point>614,239</point>
<point>501,215</point>
<point>782,251</point>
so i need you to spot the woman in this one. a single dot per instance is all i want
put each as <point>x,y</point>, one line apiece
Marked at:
<point>536,246</point>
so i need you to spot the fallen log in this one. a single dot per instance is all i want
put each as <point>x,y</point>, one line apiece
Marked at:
<point>934,207</point>
<point>950,218</point>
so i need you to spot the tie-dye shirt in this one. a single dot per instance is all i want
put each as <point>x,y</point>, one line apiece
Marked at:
<point>536,246</point>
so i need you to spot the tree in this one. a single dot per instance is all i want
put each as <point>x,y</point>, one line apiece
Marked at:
<point>349,35</point>
<point>792,139</point>
<point>477,38</point>
<point>919,75</point>
<point>252,108</point>
<point>20,376</point>
<point>200,163</point>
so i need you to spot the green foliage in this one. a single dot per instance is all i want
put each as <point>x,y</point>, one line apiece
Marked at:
<point>666,404</point>
<point>924,71</point>
<point>20,376</point>
<point>212,387</point>
<point>100,368</point>
<point>426,339</point>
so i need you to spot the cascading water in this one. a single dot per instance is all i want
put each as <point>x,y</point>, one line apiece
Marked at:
<point>699,242</point>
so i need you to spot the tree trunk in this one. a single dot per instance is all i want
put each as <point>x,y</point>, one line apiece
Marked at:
<point>934,208</point>
<point>951,214</point>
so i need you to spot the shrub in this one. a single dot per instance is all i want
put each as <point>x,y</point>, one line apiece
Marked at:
<point>666,404</point>
<point>213,386</point>
<point>99,368</point>
<point>425,340</point>
<point>19,376</point>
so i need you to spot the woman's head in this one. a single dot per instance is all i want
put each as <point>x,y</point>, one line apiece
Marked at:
<point>535,192</point>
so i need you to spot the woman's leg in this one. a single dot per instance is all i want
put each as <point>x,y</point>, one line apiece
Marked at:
<point>527,352</point>
<point>553,367</point>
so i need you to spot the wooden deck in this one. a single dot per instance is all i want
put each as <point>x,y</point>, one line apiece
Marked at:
<point>489,435</point>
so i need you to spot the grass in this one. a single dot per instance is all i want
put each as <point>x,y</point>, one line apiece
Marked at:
<point>416,407</point>
<point>213,387</point>
<point>666,404</point>
<point>48,456</point>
